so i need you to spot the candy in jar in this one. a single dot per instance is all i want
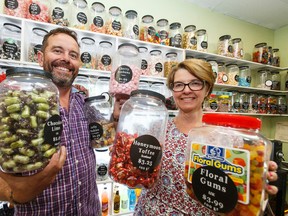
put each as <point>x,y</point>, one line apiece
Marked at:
<point>88,53</point>
<point>126,70</point>
<point>17,8</point>
<point>137,151</point>
<point>147,29</point>
<point>79,17</point>
<point>39,10</point>
<point>104,56</point>
<point>114,24</point>
<point>36,43</point>
<point>131,25</point>
<point>156,65</point>
<point>226,164</point>
<point>60,12</point>
<point>98,18</point>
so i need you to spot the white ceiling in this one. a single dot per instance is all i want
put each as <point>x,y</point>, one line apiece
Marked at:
<point>272,14</point>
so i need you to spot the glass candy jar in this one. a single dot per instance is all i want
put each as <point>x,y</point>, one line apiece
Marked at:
<point>80,16</point>
<point>131,25</point>
<point>137,151</point>
<point>104,56</point>
<point>30,127</point>
<point>162,35</point>
<point>36,43</point>
<point>88,53</point>
<point>147,29</point>
<point>224,46</point>
<point>228,157</point>
<point>39,10</point>
<point>16,8</point>
<point>60,12</point>
<point>114,24</point>
<point>156,65</point>
<point>98,112</point>
<point>175,35</point>
<point>98,18</point>
<point>189,38</point>
<point>260,53</point>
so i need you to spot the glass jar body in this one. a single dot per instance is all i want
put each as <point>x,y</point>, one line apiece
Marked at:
<point>260,53</point>
<point>244,76</point>
<point>232,74</point>
<point>156,66</point>
<point>131,25</point>
<point>104,57</point>
<point>17,8</point>
<point>224,46</point>
<point>35,43</point>
<point>170,62</point>
<point>147,29</point>
<point>39,11</point>
<point>60,12</point>
<point>88,53</point>
<point>80,16</point>
<point>98,18</point>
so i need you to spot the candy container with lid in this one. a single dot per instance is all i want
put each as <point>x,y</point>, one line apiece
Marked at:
<point>104,56</point>
<point>226,164</point>
<point>260,53</point>
<point>202,40</point>
<point>237,45</point>
<point>30,126</point>
<point>156,65</point>
<point>244,76</point>
<point>131,25</point>
<point>39,10</point>
<point>36,43</point>
<point>114,24</point>
<point>162,35</point>
<point>16,8</point>
<point>147,29</point>
<point>137,151</point>
<point>189,37</point>
<point>144,55</point>
<point>126,70</point>
<point>275,57</point>
<point>225,47</point>
<point>60,12</point>
<point>98,111</point>
<point>82,84</point>
<point>170,62</point>
<point>88,53</point>
<point>80,16</point>
<point>175,35</point>
<point>98,17</point>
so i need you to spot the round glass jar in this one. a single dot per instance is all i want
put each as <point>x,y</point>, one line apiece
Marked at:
<point>31,126</point>
<point>114,25</point>
<point>138,148</point>
<point>80,16</point>
<point>232,72</point>
<point>88,53</point>
<point>102,84</point>
<point>211,104</point>
<point>235,102</point>
<point>143,84</point>
<point>189,38</point>
<point>156,65</point>
<point>224,103</point>
<point>175,34</point>
<point>260,53</point>
<point>276,80</point>
<point>214,66</point>
<point>253,103</point>
<point>244,76</point>
<point>144,55</point>
<point>162,35</point>
<point>35,44</point>
<point>102,162</point>
<point>147,29</point>
<point>126,70</point>
<point>235,163</point>
<point>170,62</point>
<point>10,43</point>
<point>98,112</point>
<point>104,57</point>
<point>17,8</point>
<point>131,25</point>
<point>237,45</point>
<point>159,87</point>
<point>262,104</point>
<point>224,46</point>
<point>281,104</point>
<point>221,76</point>
<point>272,105</point>
<point>39,10</point>
<point>244,102</point>
<point>98,18</point>
<point>264,79</point>
<point>275,57</point>
<point>202,40</point>
<point>60,12</point>
<point>82,84</point>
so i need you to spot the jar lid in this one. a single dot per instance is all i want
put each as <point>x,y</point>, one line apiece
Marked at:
<point>27,72</point>
<point>275,50</point>
<point>87,40</point>
<point>39,31</point>
<point>82,75</point>
<point>148,92</point>
<point>155,52</point>
<point>236,40</point>
<point>147,19</point>
<point>128,44</point>
<point>156,83</point>
<point>260,45</point>
<point>221,63</point>
<point>98,97</point>
<point>275,72</point>
<point>131,14</point>
<point>101,150</point>
<point>171,54</point>
<point>189,56</point>
<point>142,49</point>
<point>243,67</point>
<point>201,32</point>
<point>80,3</point>
<point>225,37</point>
<point>12,27</point>
<point>98,6</point>
<point>190,28</point>
<point>175,25</point>
<point>115,11</point>
<point>106,44</point>
<point>235,121</point>
<point>263,71</point>
<point>162,22</point>
<point>232,65</point>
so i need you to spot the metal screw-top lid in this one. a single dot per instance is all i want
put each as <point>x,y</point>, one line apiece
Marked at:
<point>27,72</point>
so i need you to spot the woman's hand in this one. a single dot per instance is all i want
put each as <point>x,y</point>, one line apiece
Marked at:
<point>23,189</point>
<point>271,177</point>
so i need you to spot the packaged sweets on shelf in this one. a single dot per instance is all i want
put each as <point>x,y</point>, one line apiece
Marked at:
<point>226,164</point>
<point>137,151</point>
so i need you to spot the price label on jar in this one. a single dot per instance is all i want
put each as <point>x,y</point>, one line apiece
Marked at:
<point>217,173</point>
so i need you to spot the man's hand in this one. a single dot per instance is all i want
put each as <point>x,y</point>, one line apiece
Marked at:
<point>23,189</point>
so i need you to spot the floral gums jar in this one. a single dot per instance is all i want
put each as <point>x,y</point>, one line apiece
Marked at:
<point>137,151</point>
<point>30,127</point>
<point>227,157</point>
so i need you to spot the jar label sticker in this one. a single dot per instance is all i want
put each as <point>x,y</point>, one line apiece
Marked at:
<point>136,29</point>
<point>217,172</point>
<point>163,35</point>
<point>106,60</point>
<point>116,25</point>
<point>255,106</point>
<point>53,130</point>
<point>193,41</point>
<point>204,44</point>
<point>146,153</point>
<point>275,85</point>
<point>248,79</point>
<point>236,78</point>
<point>11,4</point>
<point>123,74</point>
<point>10,47</point>
<point>230,49</point>
<point>34,9</point>
<point>82,18</point>
<point>102,169</point>
<point>144,64</point>
<point>95,130</point>
<point>225,78</point>
<point>151,31</point>
<point>245,105</point>
<point>57,13</point>
<point>98,21</point>
<point>86,57</point>
<point>214,105</point>
<point>158,67</point>
<point>236,105</point>
<point>37,48</point>
<point>268,83</point>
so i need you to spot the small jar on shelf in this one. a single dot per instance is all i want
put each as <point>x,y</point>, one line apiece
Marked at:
<point>143,52</point>
<point>276,80</point>
<point>262,104</point>
<point>281,104</point>
<point>156,65</point>
<point>143,84</point>
<point>114,24</point>
<point>211,104</point>
<point>244,102</point>
<point>189,38</point>
<point>232,71</point>
<point>264,79</point>
<point>82,85</point>
<point>225,47</point>
<point>286,81</point>
<point>202,40</point>
<point>235,102</point>
<point>60,10</point>
<point>102,162</point>
<point>39,10</point>
<point>224,102</point>
<point>221,76</point>
<point>175,35</point>
<point>170,62</point>
<point>260,53</point>
<point>104,56</point>
<point>237,45</point>
<point>214,66</point>
<point>275,57</point>
<point>272,104</point>
<point>253,103</point>
<point>17,8</point>
<point>162,35</point>
<point>36,43</point>
<point>88,53</point>
<point>131,25</point>
<point>147,29</point>
<point>244,76</point>
<point>80,16</point>
<point>98,18</point>
<point>101,85</point>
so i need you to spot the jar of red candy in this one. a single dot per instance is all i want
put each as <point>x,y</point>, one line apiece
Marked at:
<point>137,151</point>
<point>226,164</point>
<point>126,70</point>
<point>16,8</point>
<point>39,10</point>
<point>260,53</point>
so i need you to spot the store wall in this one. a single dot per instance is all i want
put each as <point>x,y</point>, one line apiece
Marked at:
<point>281,41</point>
